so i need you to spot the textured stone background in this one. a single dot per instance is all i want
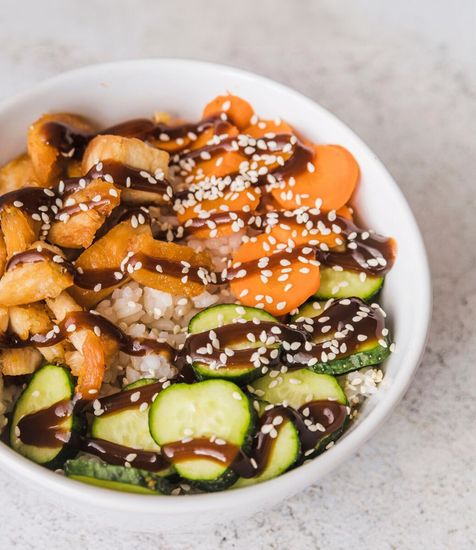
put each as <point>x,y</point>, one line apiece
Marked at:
<point>402,74</point>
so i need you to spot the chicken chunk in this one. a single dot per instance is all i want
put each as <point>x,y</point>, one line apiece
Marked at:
<point>29,319</point>
<point>19,230</point>
<point>53,140</point>
<point>133,153</point>
<point>4,319</point>
<point>84,212</point>
<point>182,255</point>
<point>107,253</point>
<point>18,173</point>
<point>32,282</point>
<point>17,362</point>
<point>90,364</point>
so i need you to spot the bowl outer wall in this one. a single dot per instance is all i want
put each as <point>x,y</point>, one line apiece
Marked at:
<point>116,91</point>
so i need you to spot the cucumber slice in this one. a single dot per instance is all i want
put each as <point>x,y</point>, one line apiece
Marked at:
<point>50,385</point>
<point>128,427</point>
<point>297,388</point>
<point>220,315</point>
<point>113,485</point>
<point>225,314</point>
<point>369,354</point>
<point>347,284</point>
<point>139,383</point>
<point>284,454</point>
<point>211,409</point>
<point>310,309</point>
<point>119,478</point>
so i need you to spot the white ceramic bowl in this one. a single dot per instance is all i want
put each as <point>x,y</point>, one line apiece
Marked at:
<point>118,91</point>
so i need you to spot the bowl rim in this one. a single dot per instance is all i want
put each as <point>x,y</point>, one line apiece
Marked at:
<point>291,481</point>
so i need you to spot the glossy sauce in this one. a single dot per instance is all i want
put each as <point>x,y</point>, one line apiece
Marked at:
<point>44,427</point>
<point>112,453</point>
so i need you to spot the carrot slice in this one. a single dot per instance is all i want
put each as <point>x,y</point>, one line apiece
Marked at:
<point>263,127</point>
<point>195,140</point>
<point>291,231</point>
<point>281,283</point>
<point>240,201</point>
<point>346,212</point>
<point>328,184</point>
<point>235,108</point>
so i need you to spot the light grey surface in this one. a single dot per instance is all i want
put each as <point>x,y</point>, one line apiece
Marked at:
<point>399,74</point>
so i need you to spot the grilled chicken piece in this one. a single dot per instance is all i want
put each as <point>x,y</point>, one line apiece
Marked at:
<point>32,282</point>
<point>29,319</point>
<point>18,173</point>
<point>51,141</point>
<point>33,319</point>
<point>88,209</point>
<point>3,255</point>
<point>54,354</point>
<point>4,319</point>
<point>19,230</point>
<point>107,253</point>
<point>15,362</point>
<point>74,169</point>
<point>134,153</point>
<point>180,254</point>
<point>89,363</point>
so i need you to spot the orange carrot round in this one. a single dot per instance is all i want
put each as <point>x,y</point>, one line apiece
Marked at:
<point>233,201</point>
<point>273,277</point>
<point>235,108</point>
<point>326,183</point>
<point>263,127</point>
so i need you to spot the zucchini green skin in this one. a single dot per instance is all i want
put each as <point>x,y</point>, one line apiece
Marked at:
<point>331,280</point>
<point>225,314</point>
<point>49,385</point>
<point>356,361</point>
<point>115,477</point>
<point>197,406</point>
<point>139,383</point>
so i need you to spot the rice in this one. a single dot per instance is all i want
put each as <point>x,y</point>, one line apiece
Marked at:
<point>360,384</point>
<point>144,312</point>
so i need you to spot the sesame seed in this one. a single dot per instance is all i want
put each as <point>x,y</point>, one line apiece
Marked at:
<point>135,396</point>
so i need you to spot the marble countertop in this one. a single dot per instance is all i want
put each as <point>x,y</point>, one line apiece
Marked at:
<point>402,77</point>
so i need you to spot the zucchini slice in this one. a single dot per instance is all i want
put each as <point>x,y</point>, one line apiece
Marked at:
<point>128,427</point>
<point>118,478</point>
<point>372,351</point>
<point>284,454</point>
<point>214,415</point>
<point>226,314</point>
<point>296,388</point>
<point>44,410</point>
<point>310,309</point>
<point>347,284</point>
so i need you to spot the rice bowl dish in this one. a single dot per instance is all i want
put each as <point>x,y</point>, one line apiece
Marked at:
<point>192,292</point>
